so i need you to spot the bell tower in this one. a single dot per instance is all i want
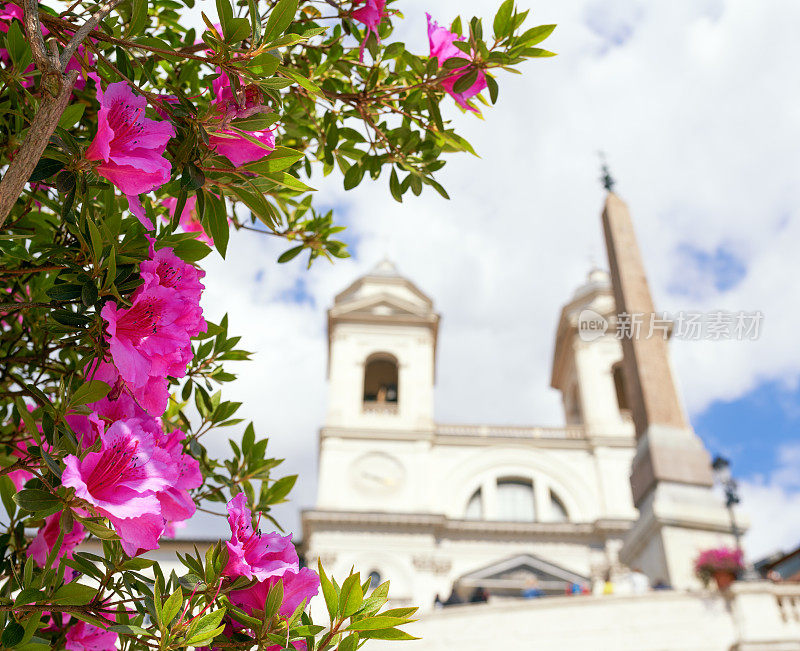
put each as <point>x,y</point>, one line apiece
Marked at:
<point>382,333</point>
<point>587,363</point>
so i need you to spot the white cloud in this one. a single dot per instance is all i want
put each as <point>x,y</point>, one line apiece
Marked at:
<point>696,109</point>
<point>773,505</point>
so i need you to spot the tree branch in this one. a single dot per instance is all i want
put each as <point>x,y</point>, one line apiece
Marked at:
<point>84,30</point>
<point>25,160</point>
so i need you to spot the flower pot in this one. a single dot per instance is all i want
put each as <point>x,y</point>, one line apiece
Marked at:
<point>724,578</point>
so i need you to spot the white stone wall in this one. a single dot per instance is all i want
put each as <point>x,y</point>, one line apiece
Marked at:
<point>754,617</point>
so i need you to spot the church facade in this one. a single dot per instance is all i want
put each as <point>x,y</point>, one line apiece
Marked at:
<point>456,510</point>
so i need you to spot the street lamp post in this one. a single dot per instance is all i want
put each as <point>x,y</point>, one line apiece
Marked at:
<point>722,471</point>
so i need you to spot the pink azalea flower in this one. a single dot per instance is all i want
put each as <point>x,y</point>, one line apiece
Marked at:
<point>47,536</point>
<point>441,43</point>
<point>20,477</point>
<point>231,144</point>
<point>165,269</point>
<point>86,637</point>
<point>152,339</point>
<point>371,14</point>
<point>253,554</point>
<point>176,502</point>
<point>147,344</point>
<point>298,585</point>
<point>189,219</point>
<point>129,146</point>
<point>122,480</point>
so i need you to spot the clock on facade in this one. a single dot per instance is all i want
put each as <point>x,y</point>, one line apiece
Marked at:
<point>378,472</point>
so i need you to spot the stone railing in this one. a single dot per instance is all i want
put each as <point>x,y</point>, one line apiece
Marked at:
<point>381,408</point>
<point>494,431</point>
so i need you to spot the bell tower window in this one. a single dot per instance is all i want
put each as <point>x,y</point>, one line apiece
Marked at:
<point>380,383</point>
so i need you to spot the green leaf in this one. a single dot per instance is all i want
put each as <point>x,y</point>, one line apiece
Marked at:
<point>7,490</point>
<point>257,204</point>
<point>280,489</point>
<point>353,176</point>
<point>138,18</point>
<point>225,13</point>
<point>44,169</point>
<point>71,115</point>
<point>290,254</point>
<point>74,594</point>
<point>493,89</point>
<point>99,530</point>
<point>274,599</point>
<point>201,639</point>
<point>171,607</point>
<point>388,634</point>
<point>349,643</point>
<point>536,52</point>
<point>29,596</point>
<point>502,19</point>
<point>280,159</point>
<point>238,30</point>
<point>205,628</point>
<point>263,65</point>
<point>465,81</point>
<point>91,391</point>
<point>377,623</point>
<point>191,250</point>
<point>37,501</point>
<point>328,591</point>
<point>216,217</point>
<point>279,19</point>
<point>12,635</point>
<point>255,19</point>
<point>309,85</point>
<point>65,292</point>
<point>535,35</point>
<point>351,595</point>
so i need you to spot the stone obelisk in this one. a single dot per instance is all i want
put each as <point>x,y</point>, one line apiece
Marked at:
<point>671,473</point>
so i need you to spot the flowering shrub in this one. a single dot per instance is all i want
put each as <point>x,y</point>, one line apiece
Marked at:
<point>722,559</point>
<point>130,145</point>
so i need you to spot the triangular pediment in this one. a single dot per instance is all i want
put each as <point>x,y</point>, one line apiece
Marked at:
<point>382,304</point>
<point>517,573</point>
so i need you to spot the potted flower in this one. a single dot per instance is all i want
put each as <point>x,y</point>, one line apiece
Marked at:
<point>722,564</point>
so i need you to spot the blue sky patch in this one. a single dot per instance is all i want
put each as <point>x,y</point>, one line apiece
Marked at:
<point>720,269</point>
<point>749,431</point>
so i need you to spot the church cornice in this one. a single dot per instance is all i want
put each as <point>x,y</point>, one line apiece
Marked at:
<point>441,526</point>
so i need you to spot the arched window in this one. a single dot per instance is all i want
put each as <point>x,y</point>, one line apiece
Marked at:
<point>374,579</point>
<point>380,380</point>
<point>558,512</point>
<point>474,510</point>
<point>515,501</point>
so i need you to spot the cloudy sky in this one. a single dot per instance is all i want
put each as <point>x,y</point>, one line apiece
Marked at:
<point>695,103</point>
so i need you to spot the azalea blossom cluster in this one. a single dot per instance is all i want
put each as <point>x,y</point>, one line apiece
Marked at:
<point>136,475</point>
<point>266,558</point>
<point>441,41</point>
<point>722,559</point>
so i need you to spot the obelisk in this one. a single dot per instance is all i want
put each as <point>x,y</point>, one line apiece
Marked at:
<point>671,475</point>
